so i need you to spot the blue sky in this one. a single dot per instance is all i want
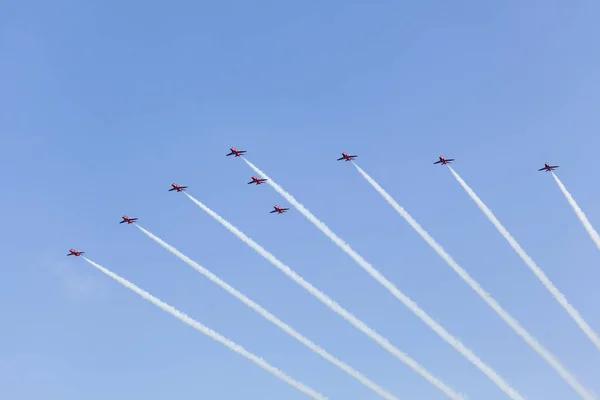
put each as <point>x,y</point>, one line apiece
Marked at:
<point>104,104</point>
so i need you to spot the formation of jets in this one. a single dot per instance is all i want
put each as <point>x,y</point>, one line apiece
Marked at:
<point>277,209</point>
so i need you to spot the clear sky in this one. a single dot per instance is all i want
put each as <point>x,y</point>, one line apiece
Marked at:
<point>105,103</point>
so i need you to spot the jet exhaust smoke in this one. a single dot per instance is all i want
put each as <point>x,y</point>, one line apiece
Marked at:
<point>562,300</point>
<point>271,318</point>
<point>409,303</point>
<point>358,324</point>
<point>511,321</point>
<point>578,211</point>
<point>210,333</point>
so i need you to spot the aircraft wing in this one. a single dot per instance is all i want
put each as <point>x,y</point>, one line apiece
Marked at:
<point>437,162</point>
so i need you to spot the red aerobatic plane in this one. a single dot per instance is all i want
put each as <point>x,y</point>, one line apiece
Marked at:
<point>278,210</point>
<point>177,187</point>
<point>444,160</point>
<point>257,180</point>
<point>235,152</point>
<point>548,167</point>
<point>73,252</point>
<point>128,220</point>
<point>346,157</point>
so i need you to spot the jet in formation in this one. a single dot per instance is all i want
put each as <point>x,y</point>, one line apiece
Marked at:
<point>257,180</point>
<point>73,252</point>
<point>548,167</point>
<point>177,187</point>
<point>128,220</point>
<point>236,152</point>
<point>444,161</point>
<point>346,157</point>
<point>278,210</point>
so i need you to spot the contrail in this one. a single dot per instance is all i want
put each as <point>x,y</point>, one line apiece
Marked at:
<point>358,324</point>
<point>409,303</point>
<point>531,264</point>
<point>586,223</point>
<point>270,317</point>
<point>210,333</point>
<point>512,322</point>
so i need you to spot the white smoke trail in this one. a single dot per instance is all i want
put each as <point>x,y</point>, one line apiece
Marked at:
<point>578,211</point>
<point>383,342</point>
<point>271,318</point>
<point>210,333</point>
<point>512,322</point>
<point>531,264</point>
<point>409,303</point>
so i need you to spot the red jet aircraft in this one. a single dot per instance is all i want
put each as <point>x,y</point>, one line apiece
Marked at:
<point>444,160</point>
<point>177,187</point>
<point>548,167</point>
<point>346,157</point>
<point>236,152</point>
<point>73,252</point>
<point>279,210</point>
<point>128,220</point>
<point>257,180</point>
